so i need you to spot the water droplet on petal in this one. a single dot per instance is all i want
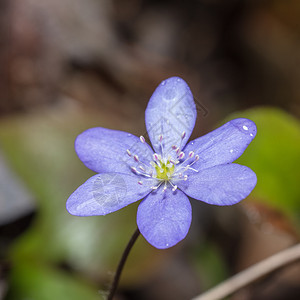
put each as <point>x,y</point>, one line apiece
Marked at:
<point>245,127</point>
<point>128,134</point>
<point>163,82</point>
<point>178,79</point>
<point>231,150</point>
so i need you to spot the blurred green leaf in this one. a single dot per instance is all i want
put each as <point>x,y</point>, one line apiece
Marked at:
<point>210,264</point>
<point>274,155</point>
<point>29,280</point>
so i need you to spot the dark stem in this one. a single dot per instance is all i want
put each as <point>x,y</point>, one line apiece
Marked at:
<point>122,263</point>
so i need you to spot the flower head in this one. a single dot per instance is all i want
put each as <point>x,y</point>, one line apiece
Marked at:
<point>165,175</point>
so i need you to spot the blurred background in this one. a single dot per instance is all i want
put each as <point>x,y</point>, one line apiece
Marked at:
<point>68,65</point>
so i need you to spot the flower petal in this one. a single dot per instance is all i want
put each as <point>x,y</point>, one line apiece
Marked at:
<point>170,112</point>
<point>105,150</point>
<point>223,145</point>
<point>220,185</point>
<point>164,218</point>
<point>105,193</point>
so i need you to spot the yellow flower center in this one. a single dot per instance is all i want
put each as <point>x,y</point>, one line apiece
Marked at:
<point>164,171</point>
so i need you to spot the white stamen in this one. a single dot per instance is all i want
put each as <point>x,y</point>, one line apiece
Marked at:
<point>133,169</point>
<point>128,152</point>
<point>136,158</point>
<point>160,138</point>
<point>191,154</point>
<point>140,182</point>
<point>142,139</point>
<point>181,155</point>
<point>174,188</point>
<point>153,164</point>
<point>185,177</point>
<point>156,187</point>
<point>155,157</point>
<point>142,168</point>
<point>174,147</point>
<point>196,159</point>
<point>189,168</point>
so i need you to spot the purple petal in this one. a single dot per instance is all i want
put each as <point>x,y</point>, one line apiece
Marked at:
<point>171,111</point>
<point>105,150</point>
<point>164,218</point>
<point>223,145</point>
<point>220,185</point>
<point>106,193</point>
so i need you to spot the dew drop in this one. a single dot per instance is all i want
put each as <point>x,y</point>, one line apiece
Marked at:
<point>128,134</point>
<point>231,150</point>
<point>251,134</point>
<point>178,79</point>
<point>245,127</point>
<point>163,82</point>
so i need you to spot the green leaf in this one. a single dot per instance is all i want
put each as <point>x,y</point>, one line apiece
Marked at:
<point>209,264</point>
<point>29,280</point>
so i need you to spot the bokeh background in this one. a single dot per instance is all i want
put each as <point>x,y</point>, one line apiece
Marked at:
<point>68,65</point>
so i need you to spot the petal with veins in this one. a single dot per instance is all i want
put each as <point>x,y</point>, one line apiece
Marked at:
<point>105,193</point>
<point>220,185</point>
<point>164,218</point>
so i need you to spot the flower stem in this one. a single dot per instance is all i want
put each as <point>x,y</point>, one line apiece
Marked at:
<point>122,263</point>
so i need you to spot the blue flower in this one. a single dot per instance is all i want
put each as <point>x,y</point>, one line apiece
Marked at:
<point>165,175</point>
